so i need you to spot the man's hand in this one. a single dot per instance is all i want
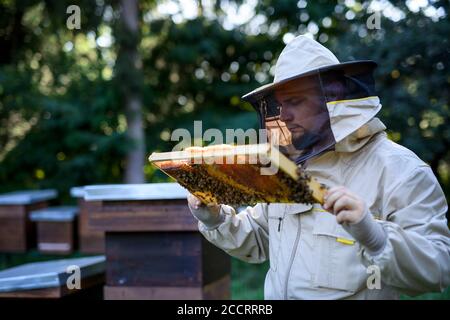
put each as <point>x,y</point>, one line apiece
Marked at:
<point>209,214</point>
<point>351,210</point>
<point>347,206</point>
<point>195,203</point>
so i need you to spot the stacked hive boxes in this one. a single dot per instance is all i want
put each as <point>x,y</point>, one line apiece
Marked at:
<point>17,231</point>
<point>153,247</point>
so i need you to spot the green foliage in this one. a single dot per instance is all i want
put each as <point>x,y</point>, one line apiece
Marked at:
<point>248,280</point>
<point>413,71</point>
<point>62,115</point>
<point>430,296</point>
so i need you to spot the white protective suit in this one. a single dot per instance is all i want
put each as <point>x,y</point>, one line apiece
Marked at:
<point>313,257</point>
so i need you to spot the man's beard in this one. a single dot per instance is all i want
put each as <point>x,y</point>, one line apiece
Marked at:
<point>306,141</point>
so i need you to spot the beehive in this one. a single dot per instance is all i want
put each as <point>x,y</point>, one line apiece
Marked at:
<point>152,244</point>
<point>230,174</point>
<point>90,241</point>
<point>56,229</point>
<point>17,231</point>
<point>54,279</point>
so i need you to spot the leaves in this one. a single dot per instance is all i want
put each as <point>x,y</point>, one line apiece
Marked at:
<point>62,115</point>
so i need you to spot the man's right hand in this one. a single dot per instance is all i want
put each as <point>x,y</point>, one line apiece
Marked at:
<point>209,214</point>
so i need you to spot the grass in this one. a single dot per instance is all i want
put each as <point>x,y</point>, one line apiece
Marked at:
<point>431,296</point>
<point>247,280</point>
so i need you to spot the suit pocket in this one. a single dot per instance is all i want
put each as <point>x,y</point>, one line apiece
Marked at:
<point>338,264</point>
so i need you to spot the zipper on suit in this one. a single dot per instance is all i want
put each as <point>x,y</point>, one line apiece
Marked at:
<point>279,223</point>
<point>291,259</point>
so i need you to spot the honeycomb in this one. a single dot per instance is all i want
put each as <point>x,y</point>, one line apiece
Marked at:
<point>239,184</point>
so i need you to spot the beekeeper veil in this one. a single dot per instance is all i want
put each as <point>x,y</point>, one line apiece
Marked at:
<point>314,101</point>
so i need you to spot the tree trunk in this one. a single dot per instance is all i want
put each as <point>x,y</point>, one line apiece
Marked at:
<point>132,66</point>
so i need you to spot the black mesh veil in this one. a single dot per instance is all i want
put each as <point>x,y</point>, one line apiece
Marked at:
<point>295,112</point>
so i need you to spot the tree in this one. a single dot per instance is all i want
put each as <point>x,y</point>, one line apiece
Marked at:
<point>129,75</point>
<point>162,72</point>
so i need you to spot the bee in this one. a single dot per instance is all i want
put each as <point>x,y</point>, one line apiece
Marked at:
<point>198,181</point>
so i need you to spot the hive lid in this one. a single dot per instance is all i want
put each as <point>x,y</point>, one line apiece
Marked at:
<point>77,192</point>
<point>27,196</point>
<point>48,274</point>
<point>61,213</point>
<point>149,191</point>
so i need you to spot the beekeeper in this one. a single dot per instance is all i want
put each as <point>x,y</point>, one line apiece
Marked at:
<point>384,215</point>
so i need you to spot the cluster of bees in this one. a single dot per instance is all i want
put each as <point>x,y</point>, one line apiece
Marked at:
<point>300,191</point>
<point>210,189</point>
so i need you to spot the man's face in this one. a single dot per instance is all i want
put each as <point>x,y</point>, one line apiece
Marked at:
<point>302,110</point>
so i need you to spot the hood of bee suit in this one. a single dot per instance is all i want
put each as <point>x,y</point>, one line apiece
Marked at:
<point>356,140</point>
<point>352,117</point>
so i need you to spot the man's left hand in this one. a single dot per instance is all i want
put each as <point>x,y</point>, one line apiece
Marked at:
<point>347,206</point>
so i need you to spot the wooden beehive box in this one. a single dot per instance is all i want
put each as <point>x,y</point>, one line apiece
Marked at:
<point>17,231</point>
<point>49,279</point>
<point>240,175</point>
<point>153,247</point>
<point>56,229</point>
<point>90,241</point>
